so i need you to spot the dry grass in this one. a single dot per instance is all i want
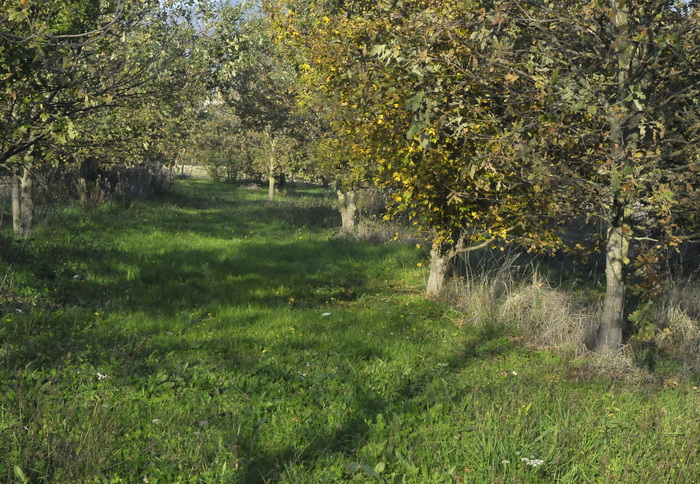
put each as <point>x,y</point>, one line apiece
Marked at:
<point>501,294</point>
<point>381,231</point>
<point>544,316</point>
<point>520,299</point>
<point>678,319</point>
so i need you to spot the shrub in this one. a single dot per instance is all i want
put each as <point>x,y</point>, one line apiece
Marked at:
<point>92,184</point>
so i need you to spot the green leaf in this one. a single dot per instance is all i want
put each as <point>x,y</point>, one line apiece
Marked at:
<point>555,75</point>
<point>355,466</point>
<point>615,182</point>
<point>19,474</point>
<point>71,130</point>
<point>424,140</point>
<point>378,50</point>
<point>416,101</point>
<point>19,16</point>
<point>416,128</point>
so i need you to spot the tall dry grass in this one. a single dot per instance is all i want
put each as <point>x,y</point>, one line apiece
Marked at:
<point>506,293</point>
<point>678,319</point>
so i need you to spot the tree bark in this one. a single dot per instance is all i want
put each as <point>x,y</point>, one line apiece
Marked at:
<point>271,168</point>
<point>22,203</point>
<point>347,206</point>
<point>612,324</point>
<point>623,124</point>
<point>441,258</point>
<point>16,205</point>
<point>271,181</point>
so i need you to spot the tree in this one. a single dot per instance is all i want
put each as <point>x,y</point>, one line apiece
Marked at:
<point>258,83</point>
<point>631,70</point>
<point>438,131</point>
<point>306,36</point>
<point>60,63</point>
<point>218,140</point>
<point>590,104</point>
<point>599,101</point>
<point>494,120</point>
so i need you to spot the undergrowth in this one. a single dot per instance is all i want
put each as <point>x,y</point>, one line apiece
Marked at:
<point>211,336</point>
<point>511,291</point>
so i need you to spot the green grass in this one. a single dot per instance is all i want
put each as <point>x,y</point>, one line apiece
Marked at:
<point>210,336</point>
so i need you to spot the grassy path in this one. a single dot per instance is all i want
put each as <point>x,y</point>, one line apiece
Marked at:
<point>213,337</point>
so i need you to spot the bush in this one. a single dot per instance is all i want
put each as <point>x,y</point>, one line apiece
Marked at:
<point>91,184</point>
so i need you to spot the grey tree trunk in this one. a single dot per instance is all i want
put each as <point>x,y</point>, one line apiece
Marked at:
<point>623,124</point>
<point>271,168</point>
<point>612,324</point>
<point>16,205</point>
<point>22,203</point>
<point>440,260</point>
<point>347,206</point>
<point>271,181</point>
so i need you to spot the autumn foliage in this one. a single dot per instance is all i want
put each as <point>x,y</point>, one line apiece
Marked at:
<point>499,121</point>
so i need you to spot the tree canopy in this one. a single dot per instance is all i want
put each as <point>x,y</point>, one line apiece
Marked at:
<point>498,120</point>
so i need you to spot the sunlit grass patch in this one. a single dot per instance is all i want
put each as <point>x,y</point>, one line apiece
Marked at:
<point>212,337</point>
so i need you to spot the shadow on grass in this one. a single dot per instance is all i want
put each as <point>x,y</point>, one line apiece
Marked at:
<point>268,275</point>
<point>272,269</point>
<point>89,268</point>
<point>342,451</point>
<point>190,284</point>
<point>266,270</point>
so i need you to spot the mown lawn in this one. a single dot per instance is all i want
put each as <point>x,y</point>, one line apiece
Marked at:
<point>210,336</point>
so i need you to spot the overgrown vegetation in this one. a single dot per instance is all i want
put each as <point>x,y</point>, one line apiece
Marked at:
<point>204,335</point>
<point>210,336</point>
<point>484,122</point>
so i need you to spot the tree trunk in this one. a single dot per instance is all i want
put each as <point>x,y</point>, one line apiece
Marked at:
<point>22,203</point>
<point>347,207</point>
<point>271,181</point>
<point>612,324</point>
<point>623,122</point>
<point>16,205</point>
<point>271,168</point>
<point>440,260</point>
